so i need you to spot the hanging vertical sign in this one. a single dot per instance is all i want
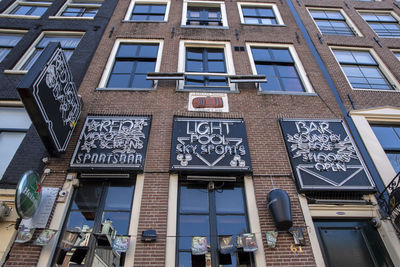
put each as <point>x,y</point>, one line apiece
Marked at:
<point>323,156</point>
<point>51,99</point>
<point>108,142</point>
<point>202,144</point>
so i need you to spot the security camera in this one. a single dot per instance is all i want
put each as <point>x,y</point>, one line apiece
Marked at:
<point>376,222</point>
<point>62,193</point>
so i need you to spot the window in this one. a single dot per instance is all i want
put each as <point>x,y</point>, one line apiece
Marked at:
<point>389,138</point>
<point>204,14</point>
<point>397,54</point>
<point>94,204</point>
<point>68,42</point>
<point>206,67</point>
<point>278,64</point>
<point>331,22</point>
<point>384,24</point>
<point>129,64</point>
<point>211,213</point>
<point>259,14</point>
<point>80,8</point>
<point>362,70</point>
<point>30,8</point>
<point>7,42</point>
<point>14,123</point>
<point>151,11</point>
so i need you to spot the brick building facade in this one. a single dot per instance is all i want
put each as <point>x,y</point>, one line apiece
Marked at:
<point>199,49</point>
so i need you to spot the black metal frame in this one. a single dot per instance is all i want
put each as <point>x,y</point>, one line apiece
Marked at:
<point>383,197</point>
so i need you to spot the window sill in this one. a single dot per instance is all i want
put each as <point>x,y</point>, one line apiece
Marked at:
<point>15,72</point>
<point>19,16</point>
<point>205,27</point>
<point>286,93</point>
<point>270,25</point>
<point>68,18</point>
<point>376,90</point>
<point>126,89</point>
<point>140,21</point>
<point>198,90</point>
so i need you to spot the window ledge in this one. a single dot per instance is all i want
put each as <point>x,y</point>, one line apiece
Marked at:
<point>68,18</point>
<point>205,27</point>
<point>125,89</point>
<point>19,16</point>
<point>15,72</point>
<point>208,91</point>
<point>140,21</point>
<point>286,93</point>
<point>376,90</point>
<point>268,25</point>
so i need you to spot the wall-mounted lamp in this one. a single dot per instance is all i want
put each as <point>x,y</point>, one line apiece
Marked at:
<point>149,236</point>
<point>279,206</point>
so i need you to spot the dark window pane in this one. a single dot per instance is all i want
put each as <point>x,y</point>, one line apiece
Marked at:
<point>192,225</point>
<point>216,66</point>
<point>185,259</point>
<point>229,200</point>
<point>141,8</point>
<point>292,84</point>
<point>122,67</point>
<point>119,198</point>
<point>157,9</point>
<point>148,51</point>
<point>231,225</point>
<point>287,71</point>
<point>194,53</point>
<point>145,66</point>
<point>394,160</point>
<point>21,10</point>
<point>193,200</point>
<point>194,66</point>
<point>271,85</point>
<point>249,11</point>
<point>87,197</point>
<point>127,50</point>
<point>266,12</point>
<point>261,54</point>
<point>282,55</point>
<point>156,17</point>
<point>139,17</point>
<point>78,219</point>
<point>120,221</point>
<point>119,81</point>
<point>139,81</point>
<point>214,54</point>
<point>387,136</point>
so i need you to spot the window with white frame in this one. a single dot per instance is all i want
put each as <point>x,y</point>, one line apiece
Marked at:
<point>14,123</point>
<point>204,14</point>
<point>389,138</point>
<point>8,39</point>
<point>31,8</point>
<point>259,14</point>
<point>331,22</point>
<point>150,11</point>
<point>129,63</point>
<point>281,67</point>
<point>362,70</point>
<point>383,23</point>
<point>397,54</point>
<point>206,66</point>
<point>69,41</point>
<point>80,8</point>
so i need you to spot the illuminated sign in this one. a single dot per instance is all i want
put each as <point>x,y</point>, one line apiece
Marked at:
<point>210,145</point>
<point>323,156</point>
<point>112,142</point>
<point>50,98</point>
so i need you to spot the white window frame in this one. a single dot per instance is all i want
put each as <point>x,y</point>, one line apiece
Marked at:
<point>274,7</point>
<point>12,31</point>
<point>219,4</point>
<point>396,51</point>
<point>382,67</point>
<point>154,2</point>
<point>385,12</point>
<point>230,68</point>
<point>17,68</point>
<point>23,127</point>
<point>252,215</point>
<point>347,19</point>
<point>297,63</point>
<point>110,62</point>
<point>71,3</point>
<point>7,12</point>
